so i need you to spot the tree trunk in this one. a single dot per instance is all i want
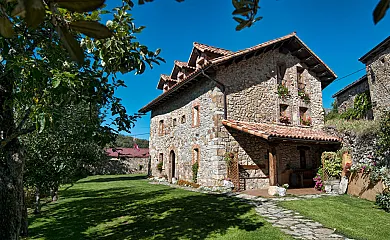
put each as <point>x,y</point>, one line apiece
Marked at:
<point>54,193</point>
<point>11,167</point>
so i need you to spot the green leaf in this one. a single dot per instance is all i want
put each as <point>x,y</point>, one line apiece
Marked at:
<point>242,25</point>
<point>35,12</point>
<point>42,122</point>
<point>157,52</point>
<point>239,20</point>
<point>91,29</point>
<point>6,29</point>
<point>19,10</point>
<point>71,45</point>
<point>236,4</point>
<point>380,10</point>
<point>56,82</point>
<point>242,11</point>
<point>80,5</point>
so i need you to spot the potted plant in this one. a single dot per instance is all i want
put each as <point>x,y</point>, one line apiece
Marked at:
<point>304,96</point>
<point>282,90</point>
<point>284,119</point>
<point>306,121</point>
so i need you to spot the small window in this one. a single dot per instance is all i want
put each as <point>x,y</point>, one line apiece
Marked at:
<point>284,116</point>
<point>161,157</point>
<point>174,122</point>
<point>196,156</point>
<point>183,119</point>
<point>304,116</point>
<point>302,159</point>
<point>300,79</point>
<point>161,127</point>
<point>281,72</point>
<point>383,60</point>
<point>195,116</point>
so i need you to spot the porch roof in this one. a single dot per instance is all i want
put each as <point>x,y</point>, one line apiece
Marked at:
<point>282,132</point>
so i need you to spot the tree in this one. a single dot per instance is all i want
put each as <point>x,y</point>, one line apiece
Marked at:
<point>38,77</point>
<point>65,152</point>
<point>123,141</point>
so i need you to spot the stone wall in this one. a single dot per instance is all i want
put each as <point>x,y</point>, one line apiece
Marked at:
<point>123,166</point>
<point>378,72</point>
<point>346,99</point>
<point>184,137</point>
<point>251,86</point>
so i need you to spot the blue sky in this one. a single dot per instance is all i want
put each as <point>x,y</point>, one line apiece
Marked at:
<point>339,32</point>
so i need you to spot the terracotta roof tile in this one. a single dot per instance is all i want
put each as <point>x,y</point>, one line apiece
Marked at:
<point>204,47</point>
<point>128,152</point>
<point>271,131</point>
<point>183,64</point>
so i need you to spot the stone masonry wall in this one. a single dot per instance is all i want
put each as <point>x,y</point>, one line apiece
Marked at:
<point>378,72</point>
<point>346,99</point>
<point>252,90</point>
<point>184,137</point>
<point>123,166</point>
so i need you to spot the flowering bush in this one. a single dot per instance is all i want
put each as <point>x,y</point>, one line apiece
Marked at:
<point>306,121</point>
<point>319,183</point>
<point>284,119</point>
<point>187,184</point>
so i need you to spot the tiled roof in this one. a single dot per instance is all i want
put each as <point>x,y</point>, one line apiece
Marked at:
<point>183,64</point>
<point>362,79</point>
<point>377,49</point>
<point>204,47</point>
<point>167,78</point>
<point>270,131</point>
<point>164,78</point>
<point>128,152</point>
<point>229,56</point>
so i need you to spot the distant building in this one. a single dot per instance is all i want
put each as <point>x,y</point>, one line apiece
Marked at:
<point>125,161</point>
<point>260,107</point>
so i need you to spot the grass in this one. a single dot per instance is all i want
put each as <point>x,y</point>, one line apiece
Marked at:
<point>359,127</point>
<point>128,207</point>
<point>351,216</point>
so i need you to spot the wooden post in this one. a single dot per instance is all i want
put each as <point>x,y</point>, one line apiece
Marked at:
<point>273,172</point>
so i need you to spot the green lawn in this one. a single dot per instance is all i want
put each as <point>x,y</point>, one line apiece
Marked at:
<point>128,207</point>
<point>351,216</point>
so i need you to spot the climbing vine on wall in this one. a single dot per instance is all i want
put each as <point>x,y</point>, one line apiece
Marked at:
<point>361,105</point>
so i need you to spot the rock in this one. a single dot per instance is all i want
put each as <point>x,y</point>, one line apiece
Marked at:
<point>272,190</point>
<point>328,188</point>
<point>343,185</point>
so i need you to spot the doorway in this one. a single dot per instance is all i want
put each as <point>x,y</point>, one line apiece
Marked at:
<point>172,156</point>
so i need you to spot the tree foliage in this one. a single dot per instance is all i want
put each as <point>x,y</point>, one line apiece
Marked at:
<point>124,141</point>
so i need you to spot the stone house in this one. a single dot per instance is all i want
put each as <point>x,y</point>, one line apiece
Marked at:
<point>125,161</point>
<point>377,62</point>
<point>346,96</point>
<point>376,81</point>
<point>260,108</point>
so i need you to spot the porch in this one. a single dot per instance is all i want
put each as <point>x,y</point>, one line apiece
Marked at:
<point>273,154</point>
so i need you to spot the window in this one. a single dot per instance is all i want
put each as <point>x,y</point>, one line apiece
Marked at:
<point>284,116</point>
<point>304,116</point>
<point>195,156</point>
<point>174,122</point>
<point>161,127</point>
<point>281,71</point>
<point>195,116</point>
<point>302,159</point>
<point>161,157</point>
<point>300,79</point>
<point>183,119</point>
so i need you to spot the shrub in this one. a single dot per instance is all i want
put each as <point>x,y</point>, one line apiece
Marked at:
<point>160,166</point>
<point>383,201</point>
<point>332,164</point>
<point>319,183</point>
<point>195,168</point>
<point>187,184</point>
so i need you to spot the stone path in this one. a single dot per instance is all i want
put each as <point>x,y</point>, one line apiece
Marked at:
<point>288,221</point>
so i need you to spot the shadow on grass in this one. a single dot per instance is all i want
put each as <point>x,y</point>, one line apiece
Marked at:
<point>121,213</point>
<point>113,179</point>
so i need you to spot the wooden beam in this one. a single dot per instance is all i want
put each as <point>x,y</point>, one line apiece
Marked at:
<point>308,58</point>
<point>273,172</point>
<point>297,51</point>
<point>321,74</point>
